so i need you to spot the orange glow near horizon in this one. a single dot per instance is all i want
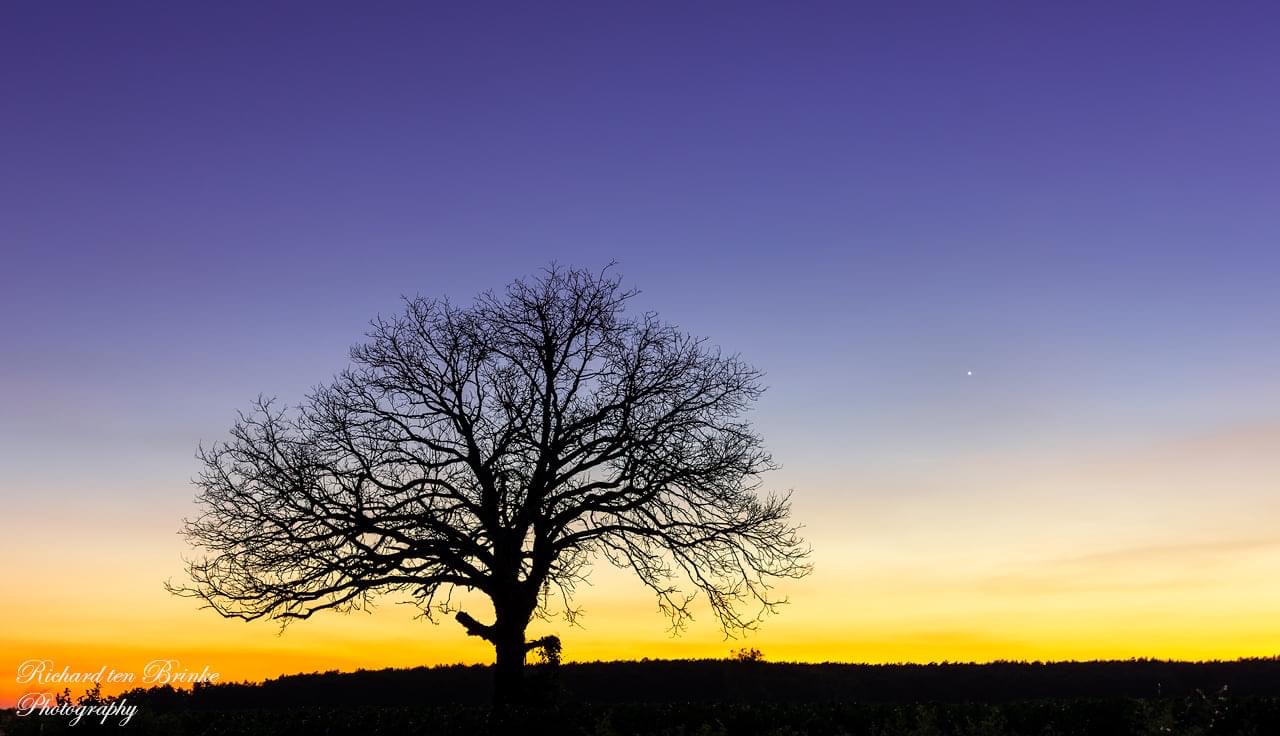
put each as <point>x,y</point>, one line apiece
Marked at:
<point>1038,575</point>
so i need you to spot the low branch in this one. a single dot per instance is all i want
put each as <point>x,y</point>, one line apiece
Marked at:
<point>475,628</point>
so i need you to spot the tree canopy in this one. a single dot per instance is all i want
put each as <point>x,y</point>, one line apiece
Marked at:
<point>501,447</point>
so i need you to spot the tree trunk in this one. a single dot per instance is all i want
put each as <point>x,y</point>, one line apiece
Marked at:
<point>508,670</point>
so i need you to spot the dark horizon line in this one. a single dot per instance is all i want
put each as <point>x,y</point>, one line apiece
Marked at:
<point>766,661</point>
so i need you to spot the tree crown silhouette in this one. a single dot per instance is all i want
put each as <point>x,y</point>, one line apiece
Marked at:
<point>500,448</point>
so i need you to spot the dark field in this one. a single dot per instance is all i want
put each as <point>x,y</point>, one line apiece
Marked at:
<point>727,697</point>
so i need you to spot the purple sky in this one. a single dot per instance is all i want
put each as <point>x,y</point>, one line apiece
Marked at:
<point>201,202</point>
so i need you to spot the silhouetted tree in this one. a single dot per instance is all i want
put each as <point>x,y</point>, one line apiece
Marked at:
<point>500,447</point>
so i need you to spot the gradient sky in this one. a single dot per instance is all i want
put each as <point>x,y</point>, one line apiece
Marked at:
<point>1079,204</point>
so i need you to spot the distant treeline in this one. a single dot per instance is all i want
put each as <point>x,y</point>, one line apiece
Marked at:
<point>727,681</point>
